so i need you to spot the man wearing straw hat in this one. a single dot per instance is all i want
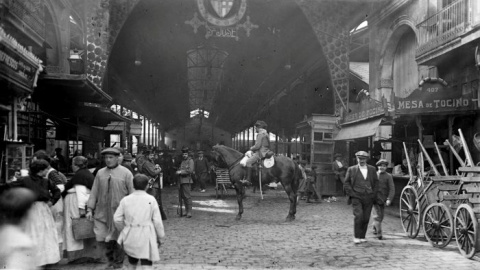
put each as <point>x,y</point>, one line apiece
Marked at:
<point>361,186</point>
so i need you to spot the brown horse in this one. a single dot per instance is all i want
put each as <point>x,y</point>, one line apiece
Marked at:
<point>285,170</point>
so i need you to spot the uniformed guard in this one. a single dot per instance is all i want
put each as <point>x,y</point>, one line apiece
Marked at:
<point>185,180</point>
<point>261,147</point>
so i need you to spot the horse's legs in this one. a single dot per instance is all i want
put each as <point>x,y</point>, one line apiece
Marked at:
<point>240,190</point>
<point>292,195</point>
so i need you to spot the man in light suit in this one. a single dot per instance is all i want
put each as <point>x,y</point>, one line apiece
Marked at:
<point>361,186</point>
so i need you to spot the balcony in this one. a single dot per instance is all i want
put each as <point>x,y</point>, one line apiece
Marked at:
<point>446,25</point>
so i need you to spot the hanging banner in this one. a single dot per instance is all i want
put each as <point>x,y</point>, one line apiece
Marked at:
<point>434,96</point>
<point>366,109</point>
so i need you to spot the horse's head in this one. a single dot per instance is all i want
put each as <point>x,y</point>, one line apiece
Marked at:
<point>218,159</point>
<point>225,156</point>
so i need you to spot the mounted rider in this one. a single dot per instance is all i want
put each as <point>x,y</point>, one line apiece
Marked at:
<point>261,147</point>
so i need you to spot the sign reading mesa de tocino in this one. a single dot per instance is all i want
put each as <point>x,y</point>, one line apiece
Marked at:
<point>434,96</point>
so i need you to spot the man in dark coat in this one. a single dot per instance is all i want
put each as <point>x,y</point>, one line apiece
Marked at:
<point>201,170</point>
<point>361,186</point>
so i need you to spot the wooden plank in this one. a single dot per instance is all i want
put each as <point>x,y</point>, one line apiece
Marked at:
<point>476,209</point>
<point>474,200</point>
<point>470,179</point>
<point>469,169</point>
<point>471,188</point>
<point>445,178</point>
<point>447,187</point>
<point>457,197</point>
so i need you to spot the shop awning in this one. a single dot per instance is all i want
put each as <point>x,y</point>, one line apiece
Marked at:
<point>359,130</point>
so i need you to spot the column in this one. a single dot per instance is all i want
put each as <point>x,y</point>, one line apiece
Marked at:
<point>144,124</point>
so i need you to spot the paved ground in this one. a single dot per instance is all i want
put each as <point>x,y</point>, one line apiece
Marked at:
<point>320,238</point>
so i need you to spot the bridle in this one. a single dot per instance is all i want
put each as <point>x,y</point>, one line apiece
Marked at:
<point>235,163</point>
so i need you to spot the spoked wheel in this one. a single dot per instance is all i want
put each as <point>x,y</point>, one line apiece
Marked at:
<point>466,230</point>
<point>410,211</point>
<point>438,225</point>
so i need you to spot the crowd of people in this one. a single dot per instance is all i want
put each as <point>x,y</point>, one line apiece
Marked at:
<point>122,198</point>
<point>120,194</point>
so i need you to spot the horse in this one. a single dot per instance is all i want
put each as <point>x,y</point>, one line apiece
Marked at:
<point>285,170</point>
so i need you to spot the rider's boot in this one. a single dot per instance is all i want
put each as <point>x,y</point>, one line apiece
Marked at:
<point>249,174</point>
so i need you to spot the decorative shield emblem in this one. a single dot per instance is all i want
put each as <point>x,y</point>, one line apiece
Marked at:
<point>222,7</point>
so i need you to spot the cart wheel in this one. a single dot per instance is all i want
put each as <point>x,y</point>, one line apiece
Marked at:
<point>438,225</point>
<point>410,211</point>
<point>466,230</point>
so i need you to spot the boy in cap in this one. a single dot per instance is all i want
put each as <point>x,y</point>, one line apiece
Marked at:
<point>361,186</point>
<point>140,224</point>
<point>386,191</point>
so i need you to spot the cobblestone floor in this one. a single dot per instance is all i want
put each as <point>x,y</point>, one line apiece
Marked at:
<point>319,238</point>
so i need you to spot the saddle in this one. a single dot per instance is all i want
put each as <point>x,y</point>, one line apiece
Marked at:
<point>268,160</point>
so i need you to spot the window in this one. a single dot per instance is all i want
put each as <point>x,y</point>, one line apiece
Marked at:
<point>318,136</point>
<point>199,112</point>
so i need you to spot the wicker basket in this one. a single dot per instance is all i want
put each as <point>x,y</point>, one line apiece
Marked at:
<point>82,228</point>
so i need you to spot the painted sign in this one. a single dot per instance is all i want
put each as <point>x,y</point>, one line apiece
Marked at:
<point>221,18</point>
<point>15,68</point>
<point>367,108</point>
<point>435,96</point>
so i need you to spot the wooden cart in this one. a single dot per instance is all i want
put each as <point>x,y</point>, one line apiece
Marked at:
<point>445,205</point>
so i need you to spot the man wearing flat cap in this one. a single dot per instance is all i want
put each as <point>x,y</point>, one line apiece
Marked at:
<point>111,184</point>
<point>184,173</point>
<point>361,186</point>
<point>386,191</point>
<point>261,147</point>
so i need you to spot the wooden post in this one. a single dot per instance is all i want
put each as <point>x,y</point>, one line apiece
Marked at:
<point>15,119</point>
<point>451,119</point>
<point>276,143</point>
<point>144,124</point>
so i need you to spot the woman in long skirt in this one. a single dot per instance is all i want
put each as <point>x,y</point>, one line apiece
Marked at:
<point>77,192</point>
<point>39,223</point>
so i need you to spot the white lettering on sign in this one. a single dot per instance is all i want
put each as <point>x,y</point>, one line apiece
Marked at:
<point>410,104</point>
<point>221,32</point>
<point>5,58</point>
<point>364,114</point>
<point>437,103</point>
<point>451,103</point>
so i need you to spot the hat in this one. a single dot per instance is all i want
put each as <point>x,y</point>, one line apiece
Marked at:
<point>185,150</point>
<point>338,155</point>
<point>110,150</point>
<point>261,124</point>
<point>362,154</point>
<point>120,150</point>
<point>382,161</point>
<point>200,152</point>
<point>127,157</point>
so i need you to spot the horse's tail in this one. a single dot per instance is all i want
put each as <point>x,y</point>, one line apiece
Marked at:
<point>297,175</point>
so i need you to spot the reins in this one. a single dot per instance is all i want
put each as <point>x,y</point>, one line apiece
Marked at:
<point>235,163</point>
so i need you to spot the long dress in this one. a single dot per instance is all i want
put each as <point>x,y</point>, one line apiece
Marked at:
<point>39,223</point>
<point>77,195</point>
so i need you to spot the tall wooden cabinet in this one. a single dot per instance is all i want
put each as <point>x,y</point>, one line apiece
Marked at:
<point>316,138</point>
